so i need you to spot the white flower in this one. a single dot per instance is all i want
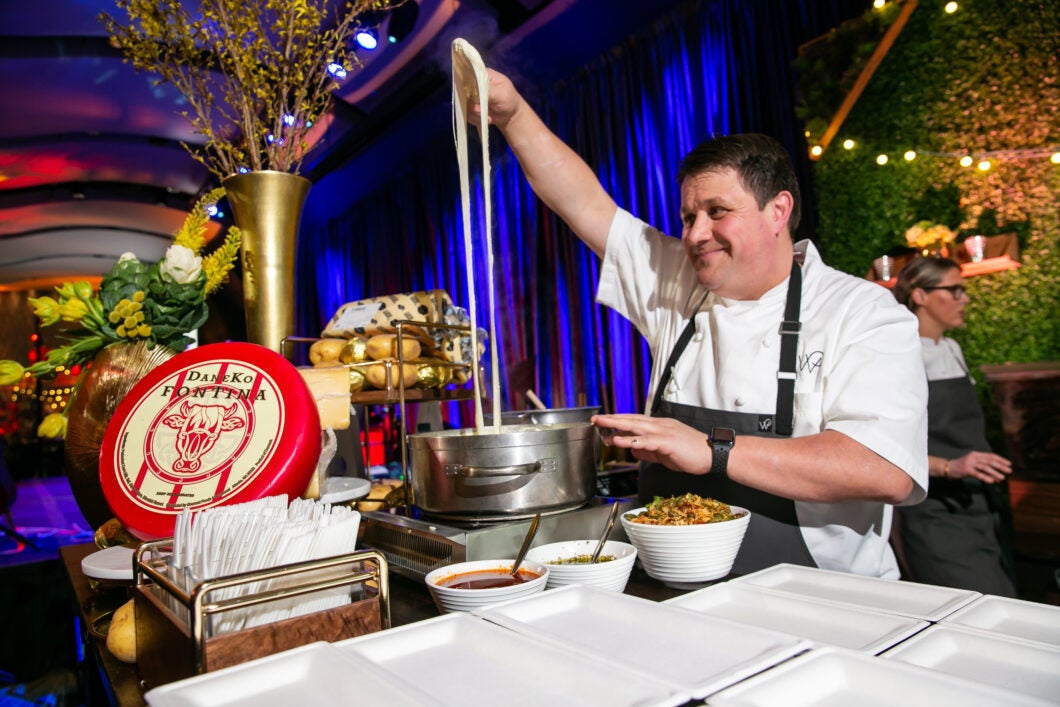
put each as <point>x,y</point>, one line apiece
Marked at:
<point>181,265</point>
<point>127,256</point>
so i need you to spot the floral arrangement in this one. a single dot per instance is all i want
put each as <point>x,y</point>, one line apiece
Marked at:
<point>256,75</point>
<point>157,303</point>
<point>926,236</point>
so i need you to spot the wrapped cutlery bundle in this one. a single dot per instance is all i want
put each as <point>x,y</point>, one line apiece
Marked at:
<point>247,580</point>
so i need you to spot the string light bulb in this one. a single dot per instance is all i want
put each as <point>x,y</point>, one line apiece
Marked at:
<point>966,161</point>
<point>951,7</point>
<point>881,160</point>
<point>848,144</point>
<point>909,155</point>
<point>984,165</point>
<point>1055,158</point>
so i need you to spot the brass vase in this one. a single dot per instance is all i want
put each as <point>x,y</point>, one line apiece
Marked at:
<point>267,208</point>
<point>113,373</point>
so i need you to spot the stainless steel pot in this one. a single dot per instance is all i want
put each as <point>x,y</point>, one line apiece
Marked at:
<point>548,416</point>
<point>522,470</point>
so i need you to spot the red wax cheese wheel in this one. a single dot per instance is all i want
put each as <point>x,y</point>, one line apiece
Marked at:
<point>220,424</point>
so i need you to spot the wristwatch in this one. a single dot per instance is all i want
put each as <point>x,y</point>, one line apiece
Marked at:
<point>721,441</point>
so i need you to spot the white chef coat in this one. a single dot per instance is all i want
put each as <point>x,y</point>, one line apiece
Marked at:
<point>859,370</point>
<point>943,360</point>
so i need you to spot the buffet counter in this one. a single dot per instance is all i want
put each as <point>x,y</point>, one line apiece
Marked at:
<point>822,636</point>
<point>119,684</point>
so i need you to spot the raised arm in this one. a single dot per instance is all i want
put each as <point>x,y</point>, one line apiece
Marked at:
<point>556,173</point>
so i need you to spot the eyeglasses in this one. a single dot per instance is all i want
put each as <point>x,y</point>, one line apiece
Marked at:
<point>957,291</point>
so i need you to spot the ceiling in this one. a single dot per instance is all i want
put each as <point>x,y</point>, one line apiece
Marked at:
<point>91,162</point>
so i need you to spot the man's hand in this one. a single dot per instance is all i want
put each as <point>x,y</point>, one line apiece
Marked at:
<point>666,441</point>
<point>504,103</point>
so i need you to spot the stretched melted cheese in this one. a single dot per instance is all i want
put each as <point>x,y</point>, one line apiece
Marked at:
<point>471,82</point>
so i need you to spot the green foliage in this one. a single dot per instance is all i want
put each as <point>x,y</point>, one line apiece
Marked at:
<point>255,73</point>
<point>829,66</point>
<point>985,79</point>
<point>157,303</point>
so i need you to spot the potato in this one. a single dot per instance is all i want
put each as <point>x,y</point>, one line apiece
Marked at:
<point>121,636</point>
<point>325,351</point>
<point>376,374</point>
<point>384,346</point>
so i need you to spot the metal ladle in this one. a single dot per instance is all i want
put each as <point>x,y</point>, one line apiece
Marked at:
<point>607,531</point>
<point>526,543</point>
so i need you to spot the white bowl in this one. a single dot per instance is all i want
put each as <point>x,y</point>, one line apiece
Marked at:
<point>687,553</point>
<point>449,599</point>
<point>611,575</point>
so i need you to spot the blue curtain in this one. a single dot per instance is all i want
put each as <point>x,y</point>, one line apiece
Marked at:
<point>709,67</point>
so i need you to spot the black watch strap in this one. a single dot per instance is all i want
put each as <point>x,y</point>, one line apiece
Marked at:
<point>722,439</point>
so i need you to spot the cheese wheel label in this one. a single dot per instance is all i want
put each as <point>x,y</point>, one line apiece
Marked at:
<point>204,431</point>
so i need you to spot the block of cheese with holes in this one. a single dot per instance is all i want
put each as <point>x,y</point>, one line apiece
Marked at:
<point>379,315</point>
<point>330,386</point>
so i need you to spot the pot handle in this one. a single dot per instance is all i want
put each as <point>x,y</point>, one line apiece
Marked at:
<point>481,471</point>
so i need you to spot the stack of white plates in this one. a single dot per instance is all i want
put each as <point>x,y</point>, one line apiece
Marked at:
<point>611,575</point>
<point>687,553</point>
<point>449,599</point>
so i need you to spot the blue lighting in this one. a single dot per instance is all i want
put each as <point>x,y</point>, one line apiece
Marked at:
<point>337,70</point>
<point>366,39</point>
<point>288,120</point>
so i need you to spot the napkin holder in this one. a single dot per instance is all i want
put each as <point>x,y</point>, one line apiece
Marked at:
<point>172,636</point>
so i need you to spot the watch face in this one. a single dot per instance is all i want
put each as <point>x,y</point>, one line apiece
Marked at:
<point>723,435</point>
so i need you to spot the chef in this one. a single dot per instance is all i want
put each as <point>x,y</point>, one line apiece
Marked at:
<point>779,384</point>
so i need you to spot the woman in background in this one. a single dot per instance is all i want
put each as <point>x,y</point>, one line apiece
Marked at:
<point>953,538</point>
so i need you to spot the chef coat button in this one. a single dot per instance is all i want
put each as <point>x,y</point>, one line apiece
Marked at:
<point>698,336</point>
<point>765,343</point>
<point>738,402</point>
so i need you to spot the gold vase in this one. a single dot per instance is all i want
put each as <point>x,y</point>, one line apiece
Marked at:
<point>267,208</point>
<point>113,373</point>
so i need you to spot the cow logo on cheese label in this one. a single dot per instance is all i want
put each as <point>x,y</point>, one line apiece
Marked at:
<point>198,436</point>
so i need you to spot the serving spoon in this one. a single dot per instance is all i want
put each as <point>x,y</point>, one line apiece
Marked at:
<point>607,531</point>
<point>526,543</point>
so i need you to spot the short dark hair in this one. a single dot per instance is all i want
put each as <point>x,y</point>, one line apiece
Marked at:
<point>762,164</point>
<point>921,272</point>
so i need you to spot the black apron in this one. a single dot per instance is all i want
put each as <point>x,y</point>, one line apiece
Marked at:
<point>773,535</point>
<point>958,537</point>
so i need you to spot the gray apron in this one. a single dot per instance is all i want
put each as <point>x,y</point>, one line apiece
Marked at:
<point>773,535</point>
<point>958,536</point>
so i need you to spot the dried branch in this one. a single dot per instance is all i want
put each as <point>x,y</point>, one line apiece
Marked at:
<point>254,73</point>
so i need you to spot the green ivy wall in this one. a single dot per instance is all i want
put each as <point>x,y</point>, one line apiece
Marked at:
<point>983,79</point>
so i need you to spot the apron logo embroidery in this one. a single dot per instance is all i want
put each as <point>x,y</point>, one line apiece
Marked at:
<point>811,361</point>
<point>765,423</point>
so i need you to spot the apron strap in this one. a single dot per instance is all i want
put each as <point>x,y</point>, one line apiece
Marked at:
<point>675,354</point>
<point>789,344</point>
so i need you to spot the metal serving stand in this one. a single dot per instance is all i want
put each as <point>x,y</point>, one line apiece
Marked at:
<point>173,634</point>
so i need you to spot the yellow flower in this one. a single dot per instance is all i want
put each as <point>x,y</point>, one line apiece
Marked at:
<point>11,372</point>
<point>73,310</point>
<point>53,426</point>
<point>46,309</point>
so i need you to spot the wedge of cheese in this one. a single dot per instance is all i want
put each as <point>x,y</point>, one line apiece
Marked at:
<point>330,386</point>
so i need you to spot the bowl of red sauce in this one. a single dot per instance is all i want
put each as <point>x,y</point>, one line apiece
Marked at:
<point>469,585</point>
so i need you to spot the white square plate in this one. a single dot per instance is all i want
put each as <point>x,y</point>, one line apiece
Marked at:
<point>463,660</point>
<point>833,677</point>
<point>919,601</point>
<point>826,623</point>
<point>317,674</point>
<point>1027,620</point>
<point>1020,666</point>
<point>698,654</point>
